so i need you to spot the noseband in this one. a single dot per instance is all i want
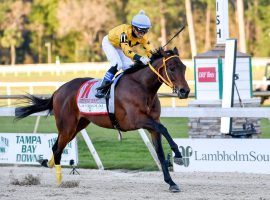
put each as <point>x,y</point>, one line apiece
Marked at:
<point>163,80</point>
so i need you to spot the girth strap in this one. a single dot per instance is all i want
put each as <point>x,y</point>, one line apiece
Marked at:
<point>113,118</point>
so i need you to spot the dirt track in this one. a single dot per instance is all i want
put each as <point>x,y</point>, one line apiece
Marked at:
<point>118,185</point>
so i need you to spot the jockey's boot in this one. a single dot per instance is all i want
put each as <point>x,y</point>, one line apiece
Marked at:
<point>106,80</point>
<point>101,92</point>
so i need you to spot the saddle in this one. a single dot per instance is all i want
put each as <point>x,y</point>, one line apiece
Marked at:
<point>89,105</point>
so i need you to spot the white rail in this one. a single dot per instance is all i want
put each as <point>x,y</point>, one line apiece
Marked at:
<point>30,85</point>
<point>53,68</point>
<point>249,112</point>
<point>256,112</point>
<point>86,66</point>
<point>59,69</point>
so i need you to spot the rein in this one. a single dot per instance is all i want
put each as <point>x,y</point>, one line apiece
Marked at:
<point>168,81</point>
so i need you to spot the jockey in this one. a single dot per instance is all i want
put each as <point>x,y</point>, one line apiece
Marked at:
<point>117,47</point>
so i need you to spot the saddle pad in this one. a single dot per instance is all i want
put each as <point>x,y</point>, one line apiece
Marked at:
<point>86,100</point>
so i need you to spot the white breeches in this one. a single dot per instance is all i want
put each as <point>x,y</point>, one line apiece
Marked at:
<point>115,55</point>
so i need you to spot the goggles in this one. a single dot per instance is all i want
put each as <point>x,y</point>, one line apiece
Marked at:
<point>141,30</point>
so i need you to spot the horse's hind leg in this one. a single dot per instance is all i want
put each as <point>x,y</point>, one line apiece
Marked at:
<point>156,138</point>
<point>51,163</point>
<point>65,136</point>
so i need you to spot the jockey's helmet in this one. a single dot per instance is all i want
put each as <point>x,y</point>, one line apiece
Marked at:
<point>141,22</point>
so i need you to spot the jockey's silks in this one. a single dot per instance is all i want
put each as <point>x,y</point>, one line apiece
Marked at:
<point>121,37</point>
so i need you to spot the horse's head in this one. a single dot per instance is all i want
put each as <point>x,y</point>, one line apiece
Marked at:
<point>172,72</point>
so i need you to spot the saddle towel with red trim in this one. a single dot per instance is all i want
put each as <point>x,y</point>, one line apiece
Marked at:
<point>86,100</point>
<point>89,104</point>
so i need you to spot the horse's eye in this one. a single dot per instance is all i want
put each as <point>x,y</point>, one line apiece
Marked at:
<point>172,69</point>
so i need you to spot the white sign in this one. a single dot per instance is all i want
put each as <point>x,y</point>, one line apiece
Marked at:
<point>222,21</point>
<point>224,155</point>
<point>207,88</point>
<point>21,148</point>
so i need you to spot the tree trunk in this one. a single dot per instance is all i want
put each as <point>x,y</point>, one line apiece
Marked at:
<point>256,5</point>
<point>76,51</point>
<point>39,49</point>
<point>13,55</point>
<point>163,34</point>
<point>241,26</point>
<point>251,27</point>
<point>191,28</point>
<point>163,30</point>
<point>207,41</point>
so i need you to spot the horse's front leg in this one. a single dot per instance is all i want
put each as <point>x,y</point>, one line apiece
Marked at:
<point>156,138</point>
<point>159,128</point>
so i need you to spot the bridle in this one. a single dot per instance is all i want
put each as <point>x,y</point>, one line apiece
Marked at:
<point>160,78</point>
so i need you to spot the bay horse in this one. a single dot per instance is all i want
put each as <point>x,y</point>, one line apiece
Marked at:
<point>136,106</point>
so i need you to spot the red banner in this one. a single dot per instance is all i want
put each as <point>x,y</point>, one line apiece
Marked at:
<point>207,74</point>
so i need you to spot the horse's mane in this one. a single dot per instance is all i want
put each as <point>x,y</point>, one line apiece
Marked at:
<point>156,54</point>
<point>136,67</point>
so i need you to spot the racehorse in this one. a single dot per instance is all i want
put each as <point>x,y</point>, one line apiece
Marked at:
<point>136,106</point>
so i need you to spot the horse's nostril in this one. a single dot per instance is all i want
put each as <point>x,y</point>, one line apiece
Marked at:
<point>182,90</point>
<point>183,93</point>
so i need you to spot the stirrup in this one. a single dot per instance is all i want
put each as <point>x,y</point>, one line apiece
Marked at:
<point>104,85</point>
<point>100,94</point>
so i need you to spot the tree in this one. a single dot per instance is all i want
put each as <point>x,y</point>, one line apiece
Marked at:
<point>210,6</point>
<point>13,25</point>
<point>75,28</point>
<point>241,25</point>
<point>12,38</point>
<point>166,18</point>
<point>163,33</point>
<point>43,25</point>
<point>192,37</point>
<point>92,20</point>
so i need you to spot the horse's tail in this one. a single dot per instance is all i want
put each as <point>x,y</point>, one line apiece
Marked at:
<point>37,105</point>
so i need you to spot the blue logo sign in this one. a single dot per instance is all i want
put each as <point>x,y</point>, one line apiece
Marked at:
<point>186,153</point>
<point>4,143</point>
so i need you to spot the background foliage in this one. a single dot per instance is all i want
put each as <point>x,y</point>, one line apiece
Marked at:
<point>75,28</point>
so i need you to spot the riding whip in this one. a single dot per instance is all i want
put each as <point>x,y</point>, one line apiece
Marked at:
<point>181,29</point>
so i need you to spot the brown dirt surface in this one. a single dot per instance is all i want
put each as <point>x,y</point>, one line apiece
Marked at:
<point>123,185</point>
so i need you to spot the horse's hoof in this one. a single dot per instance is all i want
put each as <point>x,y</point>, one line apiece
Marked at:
<point>43,162</point>
<point>178,161</point>
<point>174,188</point>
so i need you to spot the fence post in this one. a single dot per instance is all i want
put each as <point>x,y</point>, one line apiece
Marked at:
<point>150,147</point>
<point>37,124</point>
<point>92,149</point>
<point>228,87</point>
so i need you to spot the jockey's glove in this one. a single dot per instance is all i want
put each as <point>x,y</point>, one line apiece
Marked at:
<point>144,60</point>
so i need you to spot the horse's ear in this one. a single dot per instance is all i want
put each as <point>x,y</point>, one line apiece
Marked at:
<point>175,51</point>
<point>162,52</point>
